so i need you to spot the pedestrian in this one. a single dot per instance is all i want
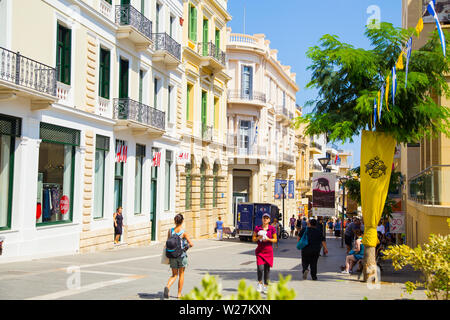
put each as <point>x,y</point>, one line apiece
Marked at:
<point>179,263</point>
<point>337,228</point>
<point>292,224</point>
<point>219,228</point>
<point>330,225</point>
<point>355,254</point>
<point>349,234</point>
<point>310,253</point>
<point>118,223</point>
<point>277,227</point>
<point>298,224</point>
<point>265,235</point>
<point>304,223</point>
<point>321,227</point>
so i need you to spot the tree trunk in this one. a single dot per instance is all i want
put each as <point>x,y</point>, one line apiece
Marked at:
<point>369,264</point>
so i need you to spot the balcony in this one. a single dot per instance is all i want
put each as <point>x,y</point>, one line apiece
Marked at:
<point>314,167</point>
<point>133,26</point>
<point>283,114</point>
<point>431,186</point>
<point>207,133</point>
<point>22,76</point>
<point>315,148</point>
<point>212,57</point>
<point>286,159</point>
<point>238,150</point>
<point>252,97</point>
<point>167,50</point>
<point>138,117</point>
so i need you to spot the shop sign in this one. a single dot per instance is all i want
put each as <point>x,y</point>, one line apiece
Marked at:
<point>64,204</point>
<point>183,157</point>
<point>121,152</point>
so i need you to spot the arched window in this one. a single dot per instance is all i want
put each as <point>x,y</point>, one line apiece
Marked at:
<point>202,184</point>
<point>215,180</point>
<point>188,171</point>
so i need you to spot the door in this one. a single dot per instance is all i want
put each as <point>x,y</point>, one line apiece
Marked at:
<point>244,137</point>
<point>205,38</point>
<point>123,79</point>
<point>118,184</point>
<point>125,12</point>
<point>153,198</point>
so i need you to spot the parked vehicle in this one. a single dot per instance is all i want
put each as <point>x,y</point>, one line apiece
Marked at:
<point>249,215</point>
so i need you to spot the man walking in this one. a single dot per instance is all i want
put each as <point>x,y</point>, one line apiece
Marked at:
<point>310,253</point>
<point>292,224</point>
<point>219,226</point>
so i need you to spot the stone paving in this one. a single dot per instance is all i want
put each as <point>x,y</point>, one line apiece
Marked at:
<point>132,273</point>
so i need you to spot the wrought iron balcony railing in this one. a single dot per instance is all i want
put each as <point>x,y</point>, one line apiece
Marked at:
<point>162,41</point>
<point>286,157</point>
<point>128,109</point>
<point>209,49</point>
<point>27,72</point>
<point>242,95</point>
<point>315,145</point>
<point>207,132</point>
<point>430,186</point>
<point>283,111</point>
<point>127,15</point>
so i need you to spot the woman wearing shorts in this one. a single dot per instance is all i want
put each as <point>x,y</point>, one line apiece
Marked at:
<point>178,265</point>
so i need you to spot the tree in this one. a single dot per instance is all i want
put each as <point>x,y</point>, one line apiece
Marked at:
<point>348,80</point>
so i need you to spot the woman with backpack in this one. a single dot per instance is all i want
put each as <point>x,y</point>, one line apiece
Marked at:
<point>176,252</point>
<point>265,235</point>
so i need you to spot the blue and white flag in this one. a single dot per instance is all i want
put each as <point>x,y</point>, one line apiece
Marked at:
<point>374,112</point>
<point>380,107</point>
<point>408,56</point>
<point>432,11</point>
<point>394,84</point>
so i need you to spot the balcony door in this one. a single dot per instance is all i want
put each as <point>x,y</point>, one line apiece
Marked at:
<point>153,196</point>
<point>125,15</point>
<point>123,79</point>
<point>204,110</point>
<point>245,129</point>
<point>247,82</point>
<point>205,37</point>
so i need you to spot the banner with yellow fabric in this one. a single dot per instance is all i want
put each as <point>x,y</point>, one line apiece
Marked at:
<point>377,156</point>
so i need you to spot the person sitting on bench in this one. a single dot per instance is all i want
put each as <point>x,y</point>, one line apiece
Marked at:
<point>354,255</point>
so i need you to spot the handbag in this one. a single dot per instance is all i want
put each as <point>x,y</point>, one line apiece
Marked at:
<point>164,258</point>
<point>303,242</point>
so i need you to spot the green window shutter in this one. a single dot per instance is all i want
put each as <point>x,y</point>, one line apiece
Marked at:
<point>217,39</point>
<point>193,24</point>
<point>101,142</point>
<point>57,134</point>
<point>204,107</point>
<point>63,54</point>
<point>10,126</point>
<point>123,79</point>
<point>141,81</point>
<point>104,73</point>
<point>205,37</point>
<point>188,101</point>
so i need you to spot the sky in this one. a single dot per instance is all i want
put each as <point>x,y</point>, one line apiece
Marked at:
<point>293,26</point>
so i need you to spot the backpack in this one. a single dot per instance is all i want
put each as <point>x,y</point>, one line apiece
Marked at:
<point>303,242</point>
<point>173,246</point>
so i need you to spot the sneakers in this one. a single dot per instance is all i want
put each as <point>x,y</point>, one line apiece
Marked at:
<point>260,287</point>
<point>264,289</point>
<point>305,274</point>
<point>345,272</point>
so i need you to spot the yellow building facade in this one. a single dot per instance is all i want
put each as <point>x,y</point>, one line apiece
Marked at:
<point>425,165</point>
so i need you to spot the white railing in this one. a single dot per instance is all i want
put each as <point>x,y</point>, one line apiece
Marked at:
<point>64,93</point>
<point>242,38</point>
<point>106,9</point>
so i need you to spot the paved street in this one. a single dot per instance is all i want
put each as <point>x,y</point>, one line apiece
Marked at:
<point>136,273</point>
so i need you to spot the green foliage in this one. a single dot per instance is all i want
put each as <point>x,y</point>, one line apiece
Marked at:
<point>211,290</point>
<point>348,80</point>
<point>433,260</point>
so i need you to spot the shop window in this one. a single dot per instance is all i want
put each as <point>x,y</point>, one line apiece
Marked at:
<point>101,151</point>
<point>10,128</point>
<point>56,174</point>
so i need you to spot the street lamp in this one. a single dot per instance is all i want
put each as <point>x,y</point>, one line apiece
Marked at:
<point>283,186</point>
<point>343,181</point>
<point>324,162</point>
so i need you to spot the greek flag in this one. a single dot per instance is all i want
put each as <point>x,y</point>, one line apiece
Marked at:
<point>394,84</point>
<point>374,112</point>
<point>432,11</point>
<point>408,56</point>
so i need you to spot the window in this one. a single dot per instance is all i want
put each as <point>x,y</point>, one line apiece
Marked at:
<point>9,128</point>
<point>101,151</point>
<point>202,184</point>
<point>121,148</point>
<point>158,12</point>
<point>215,181</point>
<point>172,24</point>
<point>140,155</point>
<point>168,178</point>
<point>155,94</point>
<point>104,73</point>
<point>205,36</point>
<point>217,39</point>
<point>141,83</point>
<point>169,103</point>
<point>56,174</point>
<point>192,23</point>
<point>204,108</point>
<point>247,82</point>
<point>123,79</point>
<point>188,195</point>
<point>216,113</point>
<point>63,54</point>
<point>189,103</point>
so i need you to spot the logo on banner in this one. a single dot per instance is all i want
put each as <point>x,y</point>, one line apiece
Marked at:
<point>183,157</point>
<point>156,161</point>
<point>121,152</point>
<point>376,168</point>
<point>64,204</point>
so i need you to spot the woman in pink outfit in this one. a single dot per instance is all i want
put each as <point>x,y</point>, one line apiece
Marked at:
<point>265,235</point>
